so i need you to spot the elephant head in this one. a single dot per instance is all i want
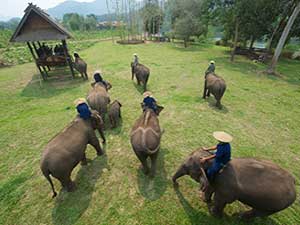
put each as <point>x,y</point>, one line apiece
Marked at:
<point>193,167</point>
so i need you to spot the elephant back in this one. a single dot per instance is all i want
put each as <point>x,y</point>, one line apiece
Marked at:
<point>98,99</point>
<point>216,85</point>
<point>260,183</point>
<point>146,133</point>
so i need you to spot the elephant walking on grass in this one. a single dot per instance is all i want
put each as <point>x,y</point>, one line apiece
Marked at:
<point>81,66</point>
<point>215,85</point>
<point>145,139</point>
<point>141,73</point>
<point>260,184</point>
<point>62,154</point>
<point>98,99</point>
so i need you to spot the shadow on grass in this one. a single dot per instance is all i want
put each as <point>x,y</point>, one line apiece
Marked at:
<point>192,46</point>
<point>69,206</point>
<point>212,104</point>
<point>54,85</point>
<point>114,131</point>
<point>153,188</point>
<point>197,217</point>
<point>139,88</point>
<point>288,68</point>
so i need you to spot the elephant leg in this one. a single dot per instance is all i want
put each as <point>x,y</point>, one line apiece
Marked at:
<point>86,76</point>
<point>208,93</point>
<point>143,160</point>
<point>102,135</point>
<point>206,196</point>
<point>67,183</point>
<point>218,104</point>
<point>83,160</point>
<point>218,206</point>
<point>145,86</point>
<point>95,143</point>
<point>153,163</point>
<point>204,90</point>
<point>112,122</point>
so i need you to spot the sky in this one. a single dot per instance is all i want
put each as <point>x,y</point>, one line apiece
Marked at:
<point>15,8</point>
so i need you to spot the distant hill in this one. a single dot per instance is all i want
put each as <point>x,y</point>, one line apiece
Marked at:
<point>97,7</point>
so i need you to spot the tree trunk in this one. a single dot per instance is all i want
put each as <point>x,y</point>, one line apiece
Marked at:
<point>235,39</point>
<point>252,43</point>
<point>284,35</point>
<point>185,42</point>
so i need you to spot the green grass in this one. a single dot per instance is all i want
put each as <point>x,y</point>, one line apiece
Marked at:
<point>18,53</point>
<point>261,112</point>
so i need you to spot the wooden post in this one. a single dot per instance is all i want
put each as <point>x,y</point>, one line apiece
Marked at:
<point>68,57</point>
<point>35,59</point>
<point>35,48</point>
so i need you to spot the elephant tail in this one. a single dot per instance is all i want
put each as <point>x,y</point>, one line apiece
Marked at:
<point>46,173</point>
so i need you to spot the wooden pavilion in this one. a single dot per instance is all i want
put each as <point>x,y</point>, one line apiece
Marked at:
<point>36,26</point>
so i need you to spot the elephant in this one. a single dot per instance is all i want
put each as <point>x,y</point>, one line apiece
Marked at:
<point>114,113</point>
<point>81,66</point>
<point>141,73</point>
<point>98,99</point>
<point>145,139</point>
<point>62,154</point>
<point>260,184</point>
<point>215,85</point>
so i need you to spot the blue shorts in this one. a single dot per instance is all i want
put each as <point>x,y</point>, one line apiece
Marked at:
<point>213,170</point>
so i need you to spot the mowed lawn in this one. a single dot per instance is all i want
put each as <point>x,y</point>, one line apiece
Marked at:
<point>261,112</point>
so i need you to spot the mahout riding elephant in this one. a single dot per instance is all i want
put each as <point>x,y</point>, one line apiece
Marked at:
<point>67,149</point>
<point>260,184</point>
<point>80,65</point>
<point>141,73</point>
<point>98,99</point>
<point>145,139</point>
<point>114,113</point>
<point>215,85</point>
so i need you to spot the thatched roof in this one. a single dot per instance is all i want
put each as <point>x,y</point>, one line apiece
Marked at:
<point>37,25</point>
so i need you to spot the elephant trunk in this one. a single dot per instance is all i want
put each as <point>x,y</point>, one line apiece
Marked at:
<point>180,172</point>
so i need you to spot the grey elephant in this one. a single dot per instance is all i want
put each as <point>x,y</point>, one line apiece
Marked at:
<point>141,73</point>
<point>80,65</point>
<point>98,99</point>
<point>62,154</point>
<point>215,85</point>
<point>145,139</point>
<point>260,184</point>
<point>114,113</point>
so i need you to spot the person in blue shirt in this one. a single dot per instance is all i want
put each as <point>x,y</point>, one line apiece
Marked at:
<point>98,79</point>
<point>83,109</point>
<point>222,155</point>
<point>135,59</point>
<point>149,102</point>
<point>211,68</point>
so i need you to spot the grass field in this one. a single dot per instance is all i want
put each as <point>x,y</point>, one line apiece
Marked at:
<point>18,53</point>
<point>261,112</point>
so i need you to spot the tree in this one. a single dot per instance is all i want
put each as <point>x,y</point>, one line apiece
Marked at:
<point>284,35</point>
<point>187,19</point>
<point>152,16</point>
<point>90,22</point>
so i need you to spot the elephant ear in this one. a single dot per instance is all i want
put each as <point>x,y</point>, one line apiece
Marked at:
<point>97,117</point>
<point>200,168</point>
<point>203,180</point>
